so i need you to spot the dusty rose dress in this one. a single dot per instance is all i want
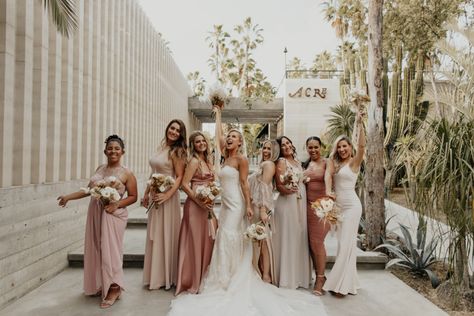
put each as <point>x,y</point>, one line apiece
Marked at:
<point>317,229</point>
<point>261,195</point>
<point>103,245</point>
<point>290,238</point>
<point>195,242</point>
<point>161,249</point>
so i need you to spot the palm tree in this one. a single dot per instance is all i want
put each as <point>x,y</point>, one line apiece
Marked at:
<point>63,15</point>
<point>340,122</point>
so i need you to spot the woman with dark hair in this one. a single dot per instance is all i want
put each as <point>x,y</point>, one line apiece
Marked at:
<point>261,188</point>
<point>161,250</point>
<point>290,241</point>
<point>105,226</point>
<point>315,168</point>
<point>195,241</point>
<point>343,168</point>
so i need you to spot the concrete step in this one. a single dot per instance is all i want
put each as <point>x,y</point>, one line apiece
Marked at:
<point>134,251</point>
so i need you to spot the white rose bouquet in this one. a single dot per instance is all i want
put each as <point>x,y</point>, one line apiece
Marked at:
<point>105,190</point>
<point>256,232</point>
<point>208,193</point>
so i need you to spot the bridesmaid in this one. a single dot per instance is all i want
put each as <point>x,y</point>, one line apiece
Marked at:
<point>161,250</point>
<point>261,188</point>
<point>315,168</point>
<point>343,167</point>
<point>195,242</point>
<point>103,254</point>
<point>290,239</point>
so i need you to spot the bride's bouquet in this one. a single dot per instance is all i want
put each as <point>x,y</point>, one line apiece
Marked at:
<point>159,183</point>
<point>325,208</point>
<point>105,190</point>
<point>207,194</point>
<point>217,96</point>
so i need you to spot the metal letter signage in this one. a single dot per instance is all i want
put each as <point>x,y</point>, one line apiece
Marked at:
<point>307,93</point>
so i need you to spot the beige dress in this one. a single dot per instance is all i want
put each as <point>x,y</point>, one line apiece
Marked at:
<point>290,238</point>
<point>261,195</point>
<point>103,244</point>
<point>161,250</point>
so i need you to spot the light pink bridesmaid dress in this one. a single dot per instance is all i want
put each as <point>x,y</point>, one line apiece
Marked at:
<point>103,245</point>
<point>161,249</point>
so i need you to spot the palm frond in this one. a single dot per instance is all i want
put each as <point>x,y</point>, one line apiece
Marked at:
<point>63,15</point>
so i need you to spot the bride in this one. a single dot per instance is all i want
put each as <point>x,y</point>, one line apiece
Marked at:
<point>232,286</point>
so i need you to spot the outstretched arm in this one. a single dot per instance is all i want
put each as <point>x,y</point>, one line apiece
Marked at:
<point>359,157</point>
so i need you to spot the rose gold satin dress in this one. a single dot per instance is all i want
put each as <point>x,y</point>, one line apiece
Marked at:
<point>195,242</point>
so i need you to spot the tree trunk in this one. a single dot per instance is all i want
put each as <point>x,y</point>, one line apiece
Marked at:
<point>374,173</point>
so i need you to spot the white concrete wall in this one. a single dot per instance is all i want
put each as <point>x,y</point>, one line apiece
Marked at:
<point>59,99</point>
<point>306,112</point>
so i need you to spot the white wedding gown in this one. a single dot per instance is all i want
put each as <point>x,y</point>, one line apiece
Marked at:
<point>232,286</point>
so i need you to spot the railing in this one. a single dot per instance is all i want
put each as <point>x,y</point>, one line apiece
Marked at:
<point>313,74</point>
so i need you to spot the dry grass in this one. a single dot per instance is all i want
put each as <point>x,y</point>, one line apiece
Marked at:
<point>423,286</point>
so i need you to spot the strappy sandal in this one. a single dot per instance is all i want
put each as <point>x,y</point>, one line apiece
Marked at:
<point>319,292</point>
<point>108,303</point>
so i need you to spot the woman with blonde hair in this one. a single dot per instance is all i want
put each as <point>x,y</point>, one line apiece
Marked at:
<point>195,240</point>
<point>261,188</point>
<point>342,171</point>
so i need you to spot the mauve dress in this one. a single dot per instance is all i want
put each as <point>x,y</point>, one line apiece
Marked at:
<point>161,249</point>
<point>103,244</point>
<point>195,242</point>
<point>290,238</point>
<point>317,229</point>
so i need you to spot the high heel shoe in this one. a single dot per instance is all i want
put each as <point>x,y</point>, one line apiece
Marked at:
<point>106,303</point>
<point>319,292</point>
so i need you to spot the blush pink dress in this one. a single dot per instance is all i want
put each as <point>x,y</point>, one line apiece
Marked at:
<point>195,242</point>
<point>161,249</point>
<point>103,245</point>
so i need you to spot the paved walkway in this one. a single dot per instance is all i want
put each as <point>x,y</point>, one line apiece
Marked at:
<point>381,294</point>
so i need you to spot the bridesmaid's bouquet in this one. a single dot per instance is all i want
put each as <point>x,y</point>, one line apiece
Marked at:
<point>325,208</point>
<point>208,193</point>
<point>291,180</point>
<point>256,232</point>
<point>105,190</point>
<point>159,183</point>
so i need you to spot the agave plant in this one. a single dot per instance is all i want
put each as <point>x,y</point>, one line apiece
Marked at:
<point>418,256</point>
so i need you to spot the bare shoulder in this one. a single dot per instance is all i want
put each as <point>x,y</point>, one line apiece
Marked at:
<point>194,162</point>
<point>268,165</point>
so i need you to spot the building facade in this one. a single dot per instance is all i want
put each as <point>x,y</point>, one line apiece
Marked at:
<point>59,99</point>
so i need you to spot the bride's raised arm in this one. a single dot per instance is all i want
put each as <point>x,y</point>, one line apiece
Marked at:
<point>220,137</point>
